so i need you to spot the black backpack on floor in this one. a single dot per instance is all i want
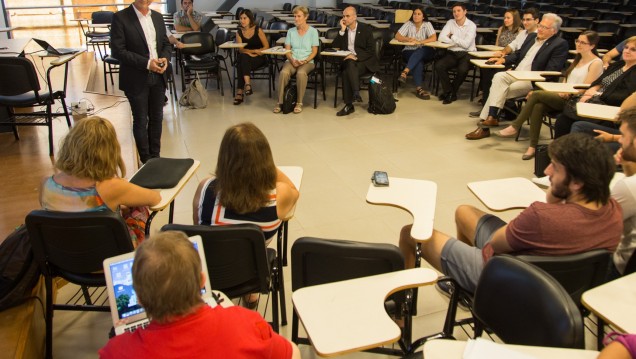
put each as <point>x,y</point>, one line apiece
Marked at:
<point>18,270</point>
<point>289,98</point>
<point>381,101</point>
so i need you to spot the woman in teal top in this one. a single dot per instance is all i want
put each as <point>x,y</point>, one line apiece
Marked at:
<point>302,40</point>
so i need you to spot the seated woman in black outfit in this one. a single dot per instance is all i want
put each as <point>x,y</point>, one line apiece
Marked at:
<point>250,57</point>
<point>615,85</point>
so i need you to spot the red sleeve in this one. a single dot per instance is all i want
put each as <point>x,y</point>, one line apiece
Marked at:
<point>525,230</point>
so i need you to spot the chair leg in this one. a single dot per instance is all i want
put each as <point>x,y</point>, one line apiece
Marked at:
<point>66,114</point>
<point>600,334</point>
<point>294,335</point>
<point>274,294</point>
<point>48,282</point>
<point>49,124</point>
<point>281,292</point>
<point>87,295</point>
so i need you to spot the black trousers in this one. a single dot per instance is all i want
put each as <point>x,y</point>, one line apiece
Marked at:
<point>245,65</point>
<point>458,60</point>
<point>351,72</point>
<point>147,111</point>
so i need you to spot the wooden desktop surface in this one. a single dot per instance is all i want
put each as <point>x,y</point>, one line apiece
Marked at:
<point>349,316</point>
<point>614,302</point>
<point>416,196</point>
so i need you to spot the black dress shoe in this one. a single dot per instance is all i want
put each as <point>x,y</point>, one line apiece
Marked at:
<point>449,99</point>
<point>443,96</point>
<point>357,98</point>
<point>348,109</point>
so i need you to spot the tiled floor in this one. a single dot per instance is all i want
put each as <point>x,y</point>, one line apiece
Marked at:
<point>422,140</point>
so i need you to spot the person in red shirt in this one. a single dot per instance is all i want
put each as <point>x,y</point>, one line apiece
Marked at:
<point>167,278</point>
<point>579,215</point>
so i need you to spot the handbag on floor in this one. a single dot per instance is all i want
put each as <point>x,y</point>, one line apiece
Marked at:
<point>195,95</point>
<point>541,160</point>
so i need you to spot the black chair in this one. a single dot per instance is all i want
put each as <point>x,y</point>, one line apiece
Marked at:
<point>238,12</point>
<point>201,61</point>
<point>317,261</point>
<point>23,91</point>
<point>576,273</point>
<point>523,304</point>
<point>97,36</point>
<point>287,6</point>
<point>239,263</point>
<point>221,36</point>
<point>73,246</point>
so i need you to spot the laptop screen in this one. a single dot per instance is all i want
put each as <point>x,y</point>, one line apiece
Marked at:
<point>121,276</point>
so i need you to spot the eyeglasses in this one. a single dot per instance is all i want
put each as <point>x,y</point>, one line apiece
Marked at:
<point>579,42</point>
<point>543,27</point>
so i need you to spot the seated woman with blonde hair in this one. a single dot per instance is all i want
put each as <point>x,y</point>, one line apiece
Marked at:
<point>90,177</point>
<point>303,41</point>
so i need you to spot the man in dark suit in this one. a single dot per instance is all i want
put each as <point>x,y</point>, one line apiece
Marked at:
<point>542,51</point>
<point>358,39</point>
<point>139,42</point>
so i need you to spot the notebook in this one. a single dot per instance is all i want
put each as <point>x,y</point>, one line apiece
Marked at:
<point>162,172</point>
<point>121,295</point>
<point>51,50</point>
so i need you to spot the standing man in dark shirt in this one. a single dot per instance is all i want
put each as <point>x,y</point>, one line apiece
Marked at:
<point>358,39</point>
<point>139,42</point>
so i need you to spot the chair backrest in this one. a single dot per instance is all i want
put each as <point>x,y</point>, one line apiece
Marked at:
<point>576,272</point>
<point>236,256</point>
<point>332,33</point>
<point>102,17</point>
<point>238,12</point>
<point>204,38</point>
<point>279,25</point>
<point>70,244</point>
<point>222,35</point>
<point>522,304</point>
<point>630,267</point>
<point>22,74</point>
<point>319,261</point>
<point>287,6</point>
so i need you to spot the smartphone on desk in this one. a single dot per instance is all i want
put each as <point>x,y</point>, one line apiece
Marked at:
<point>380,179</point>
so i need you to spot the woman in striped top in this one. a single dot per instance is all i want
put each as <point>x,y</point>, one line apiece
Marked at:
<point>247,188</point>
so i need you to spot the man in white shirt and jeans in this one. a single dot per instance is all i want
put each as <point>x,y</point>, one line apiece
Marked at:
<point>460,32</point>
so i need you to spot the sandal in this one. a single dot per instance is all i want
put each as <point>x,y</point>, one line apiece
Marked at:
<point>277,109</point>
<point>298,108</point>
<point>248,90</point>
<point>403,76</point>
<point>238,99</point>
<point>423,94</point>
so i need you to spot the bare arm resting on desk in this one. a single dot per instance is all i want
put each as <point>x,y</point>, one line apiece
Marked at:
<point>615,351</point>
<point>286,194</point>
<point>117,191</point>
